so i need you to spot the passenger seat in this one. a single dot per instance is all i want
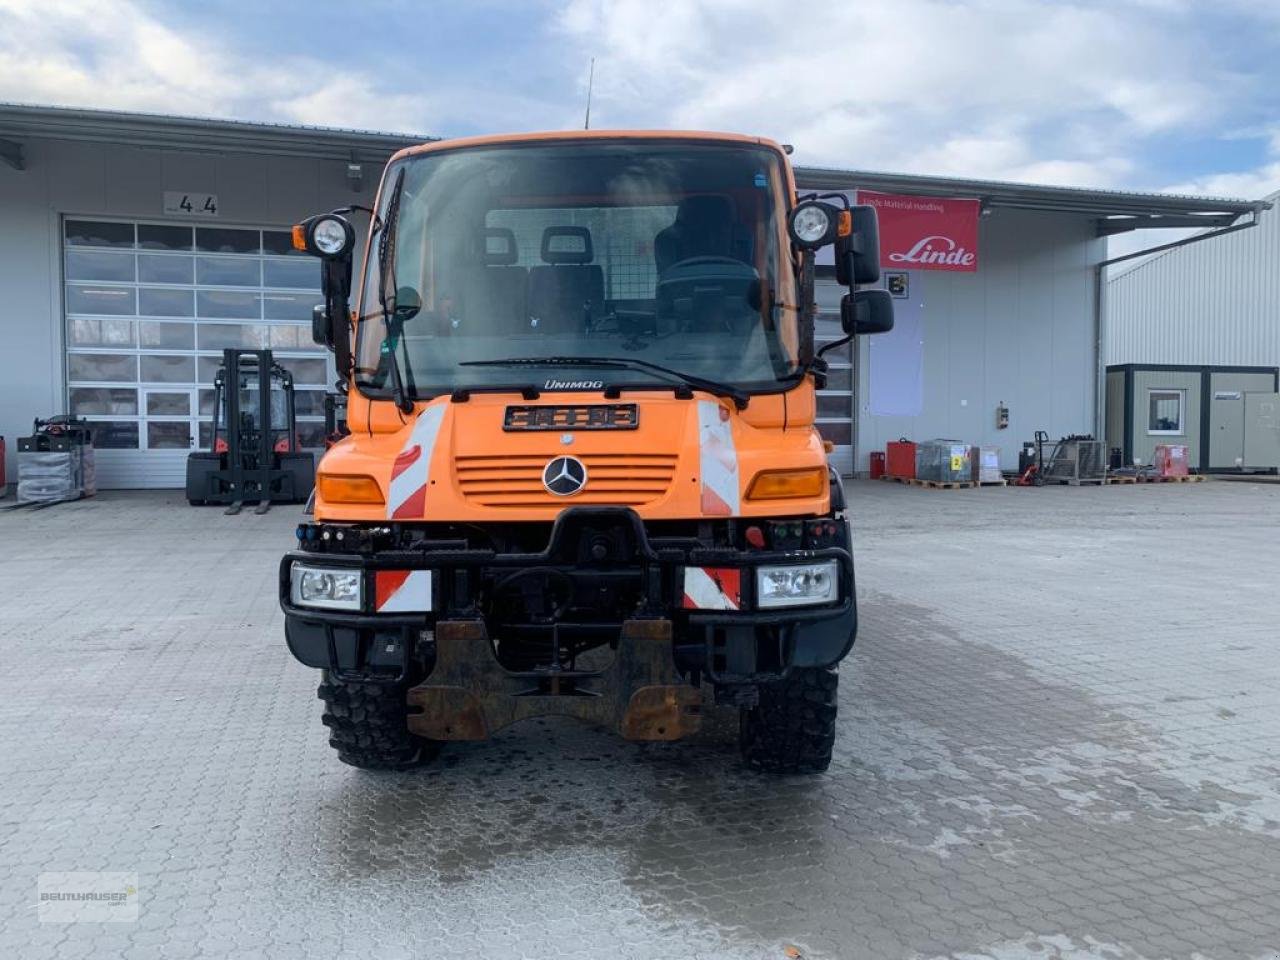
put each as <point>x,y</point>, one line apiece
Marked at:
<point>567,294</point>
<point>495,297</point>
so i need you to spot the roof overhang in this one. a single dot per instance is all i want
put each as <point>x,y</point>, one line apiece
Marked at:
<point>1116,211</point>
<point>20,121</point>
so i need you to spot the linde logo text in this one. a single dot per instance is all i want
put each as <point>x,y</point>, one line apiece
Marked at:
<point>573,385</point>
<point>936,249</point>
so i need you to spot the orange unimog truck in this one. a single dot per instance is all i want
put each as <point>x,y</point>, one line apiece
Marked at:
<point>582,477</point>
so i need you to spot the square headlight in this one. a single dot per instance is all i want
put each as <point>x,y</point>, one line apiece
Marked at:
<point>797,585</point>
<point>331,588</point>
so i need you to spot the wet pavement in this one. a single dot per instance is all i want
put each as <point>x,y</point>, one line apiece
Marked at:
<point>1059,737</point>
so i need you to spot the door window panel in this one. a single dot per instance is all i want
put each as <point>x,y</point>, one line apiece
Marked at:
<point>228,272</point>
<point>104,301</point>
<point>163,236</point>
<point>833,406</point>
<point>176,404</point>
<point>246,336</point>
<point>104,367</point>
<point>92,332</point>
<point>304,371</point>
<point>280,243</point>
<point>98,233</point>
<point>292,274</point>
<point>228,305</point>
<point>116,401</point>
<point>289,306</point>
<point>153,268</point>
<point>154,335</point>
<point>159,302</point>
<point>288,336</point>
<point>840,434</point>
<point>168,435</point>
<point>115,434</point>
<point>166,369</point>
<point>225,240</point>
<point>99,265</point>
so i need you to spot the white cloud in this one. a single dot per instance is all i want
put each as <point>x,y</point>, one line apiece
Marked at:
<point>1251,184</point>
<point>114,54</point>
<point>1009,89</point>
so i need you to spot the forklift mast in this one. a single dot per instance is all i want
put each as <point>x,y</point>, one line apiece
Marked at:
<point>245,461</point>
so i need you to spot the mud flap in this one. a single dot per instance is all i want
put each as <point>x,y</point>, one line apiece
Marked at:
<point>470,696</point>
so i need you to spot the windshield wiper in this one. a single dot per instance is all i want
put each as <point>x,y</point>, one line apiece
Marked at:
<point>739,398</point>
<point>390,316</point>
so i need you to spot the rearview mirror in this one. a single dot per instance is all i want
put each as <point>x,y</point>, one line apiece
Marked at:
<point>866,311</point>
<point>857,253</point>
<point>408,304</point>
<point>320,327</point>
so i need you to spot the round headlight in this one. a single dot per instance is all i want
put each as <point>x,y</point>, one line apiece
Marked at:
<point>812,224</point>
<point>329,235</point>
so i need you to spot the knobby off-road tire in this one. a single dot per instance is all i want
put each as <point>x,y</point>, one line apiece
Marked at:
<point>368,726</point>
<point>793,729</point>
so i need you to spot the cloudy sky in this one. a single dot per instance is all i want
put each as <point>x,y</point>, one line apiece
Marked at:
<point>1147,94</point>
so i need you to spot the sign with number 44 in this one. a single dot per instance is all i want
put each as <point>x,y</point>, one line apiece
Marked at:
<point>180,204</point>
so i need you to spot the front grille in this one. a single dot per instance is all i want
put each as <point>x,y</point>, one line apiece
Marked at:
<point>622,479</point>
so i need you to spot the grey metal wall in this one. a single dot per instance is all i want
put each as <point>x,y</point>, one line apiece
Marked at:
<point>1212,302</point>
<point>1019,330</point>
<point>64,178</point>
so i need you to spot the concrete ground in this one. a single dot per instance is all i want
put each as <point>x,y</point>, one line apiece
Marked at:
<point>1059,737</point>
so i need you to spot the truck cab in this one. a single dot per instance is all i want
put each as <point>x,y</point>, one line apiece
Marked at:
<point>582,476</point>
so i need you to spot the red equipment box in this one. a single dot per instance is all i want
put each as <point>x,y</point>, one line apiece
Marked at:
<point>900,458</point>
<point>1171,460</point>
<point>877,464</point>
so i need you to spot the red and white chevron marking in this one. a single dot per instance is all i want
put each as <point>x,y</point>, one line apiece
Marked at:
<point>718,461</point>
<point>407,498</point>
<point>402,591</point>
<point>712,588</point>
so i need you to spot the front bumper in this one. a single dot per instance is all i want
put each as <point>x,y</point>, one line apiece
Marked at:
<point>366,645</point>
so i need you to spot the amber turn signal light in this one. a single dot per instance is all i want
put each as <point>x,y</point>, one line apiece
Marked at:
<point>347,488</point>
<point>300,237</point>
<point>785,484</point>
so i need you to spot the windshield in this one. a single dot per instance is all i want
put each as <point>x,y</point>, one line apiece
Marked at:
<point>671,254</point>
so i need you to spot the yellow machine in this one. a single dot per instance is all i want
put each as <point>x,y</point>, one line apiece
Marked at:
<point>582,476</point>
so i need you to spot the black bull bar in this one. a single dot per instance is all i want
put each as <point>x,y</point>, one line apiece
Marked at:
<point>469,695</point>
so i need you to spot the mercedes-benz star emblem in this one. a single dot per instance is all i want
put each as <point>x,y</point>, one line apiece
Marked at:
<point>564,476</point>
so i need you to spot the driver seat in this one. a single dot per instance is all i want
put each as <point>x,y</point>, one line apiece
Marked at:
<point>705,226</point>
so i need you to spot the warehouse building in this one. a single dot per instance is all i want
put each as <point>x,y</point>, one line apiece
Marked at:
<point>1194,349</point>
<point>134,248</point>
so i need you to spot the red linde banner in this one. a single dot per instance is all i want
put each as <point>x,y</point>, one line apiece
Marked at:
<point>925,233</point>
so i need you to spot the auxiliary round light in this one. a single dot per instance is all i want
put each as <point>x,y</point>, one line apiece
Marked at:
<point>329,236</point>
<point>813,224</point>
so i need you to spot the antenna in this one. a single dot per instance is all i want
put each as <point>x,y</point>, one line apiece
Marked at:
<point>591,76</point>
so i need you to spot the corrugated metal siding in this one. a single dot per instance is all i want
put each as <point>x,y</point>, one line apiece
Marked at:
<point>1213,302</point>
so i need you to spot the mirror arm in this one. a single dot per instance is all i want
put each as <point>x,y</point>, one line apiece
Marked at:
<point>808,307</point>
<point>338,309</point>
<point>848,338</point>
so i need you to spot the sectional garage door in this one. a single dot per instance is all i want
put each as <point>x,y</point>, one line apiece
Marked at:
<point>149,308</point>
<point>836,403</point>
